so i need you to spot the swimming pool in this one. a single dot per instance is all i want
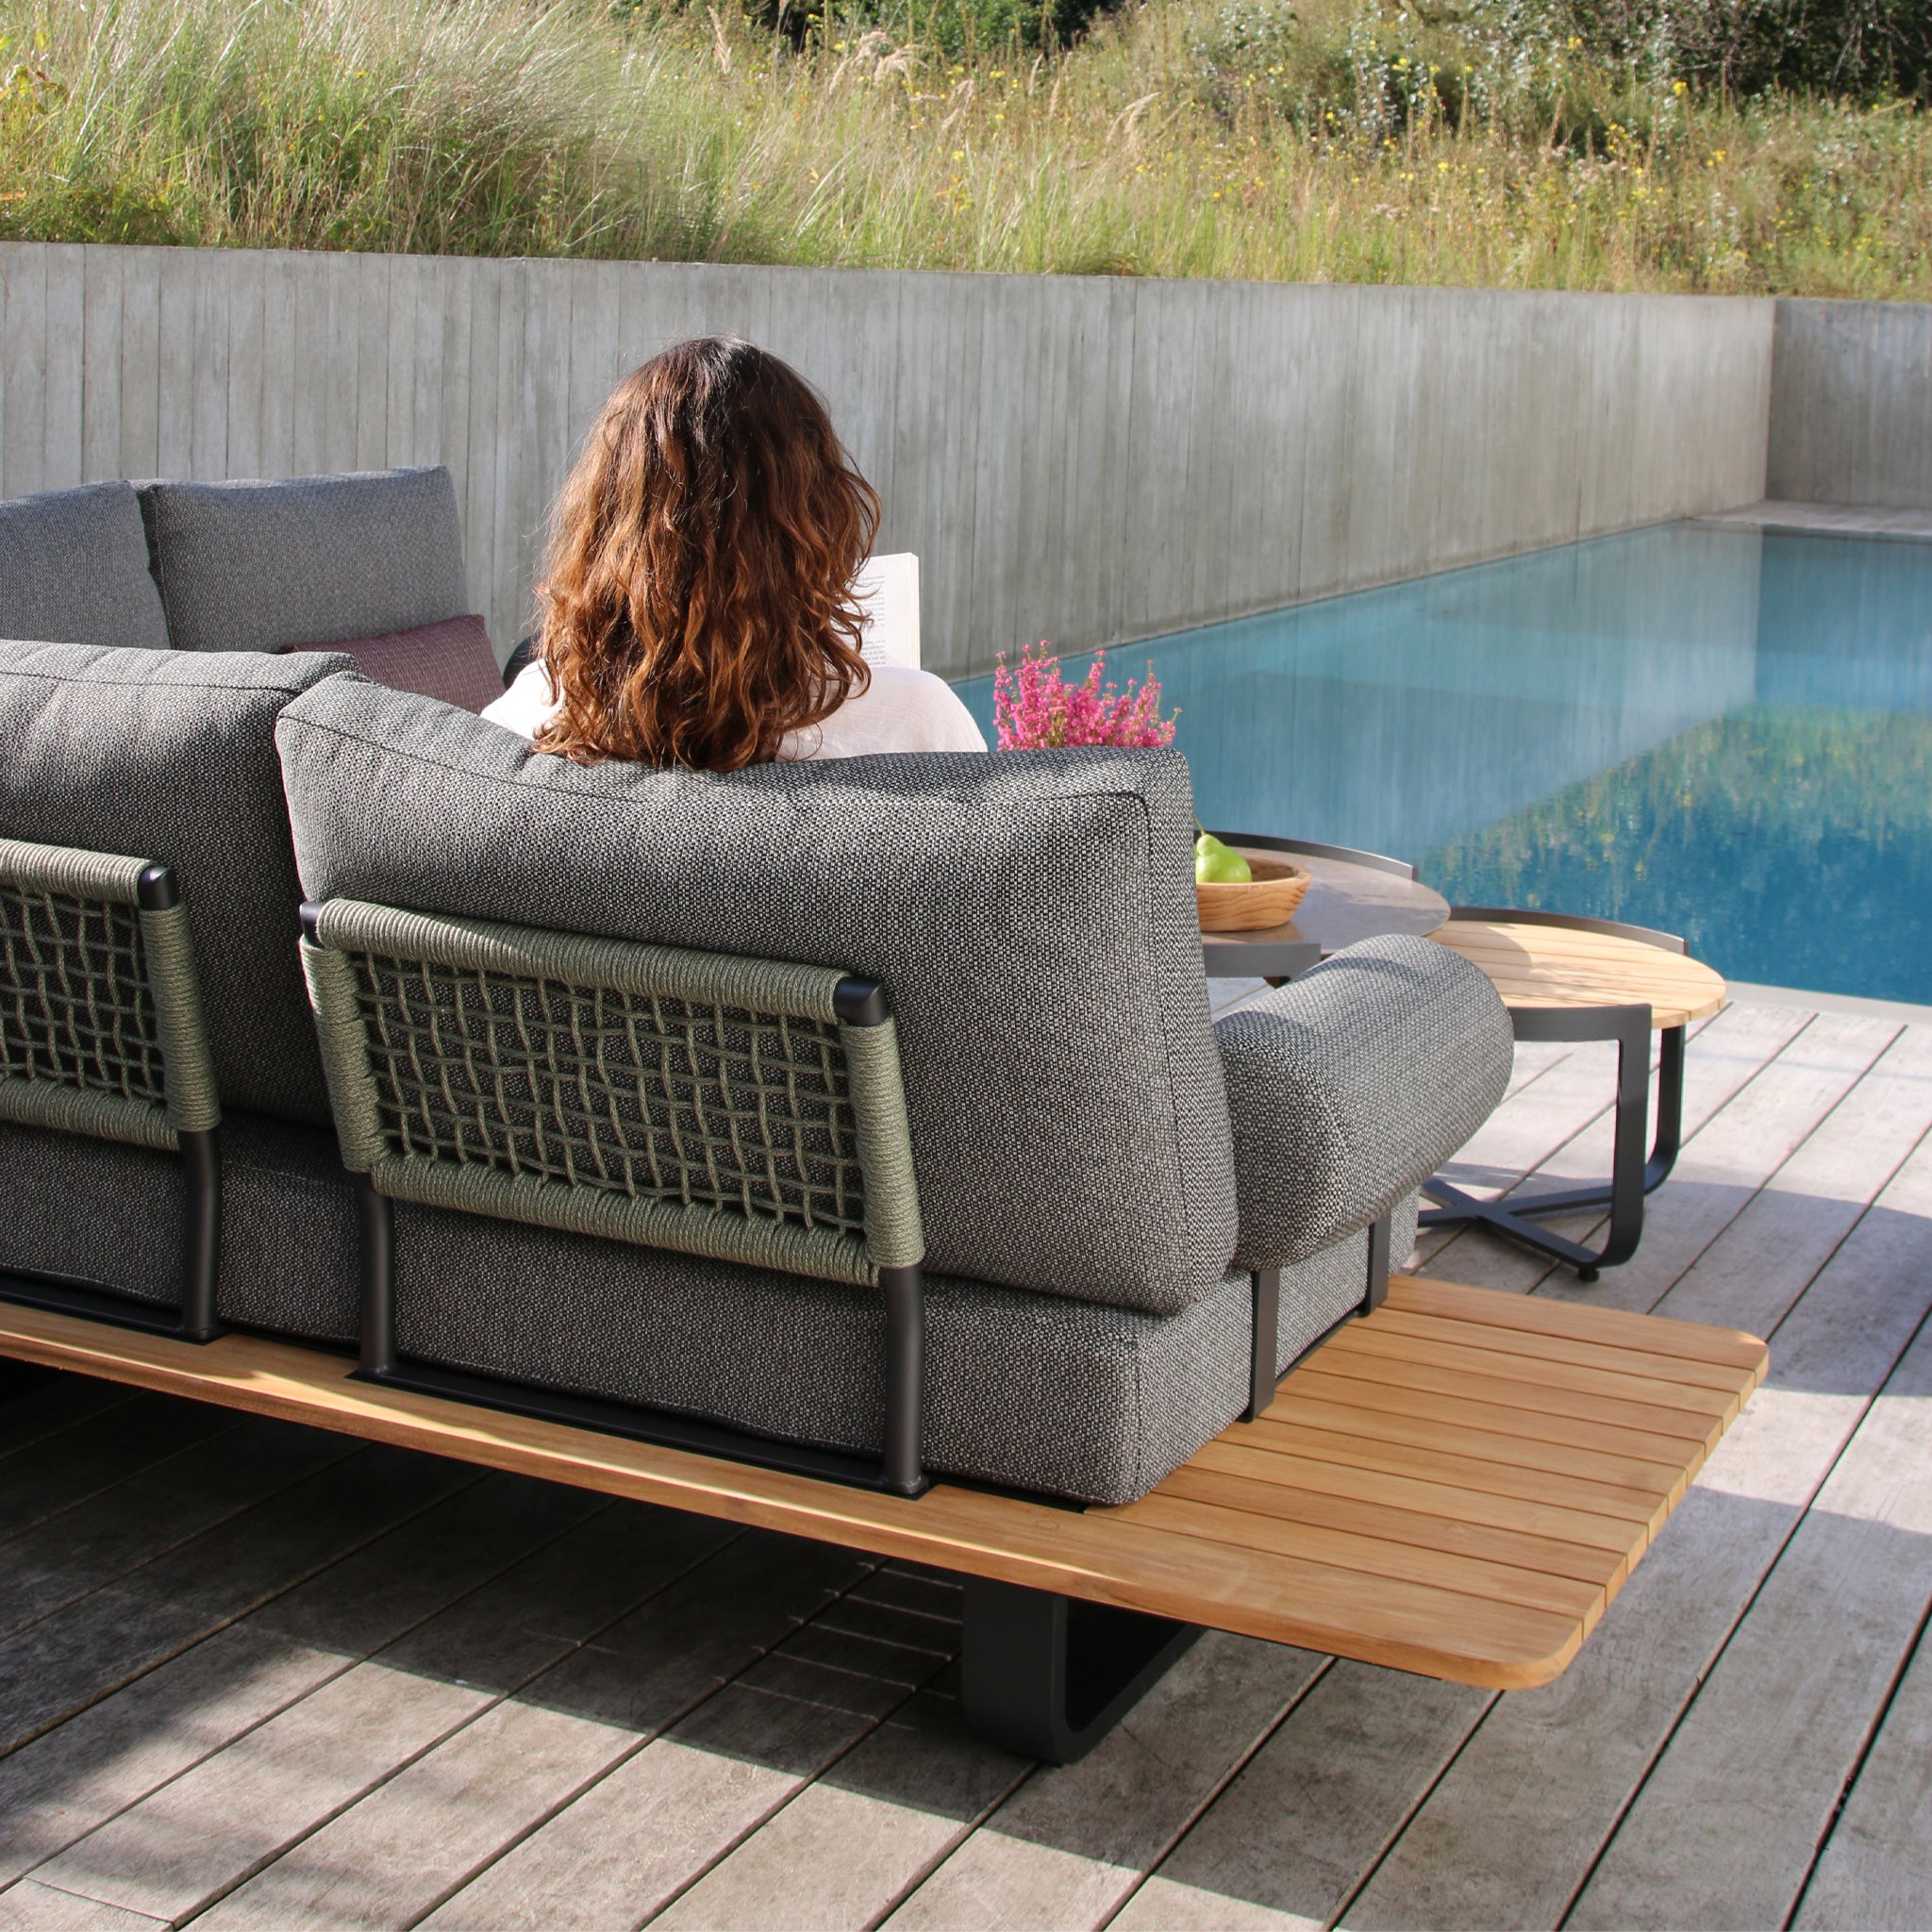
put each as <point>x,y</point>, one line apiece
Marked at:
<point>1722,731</point>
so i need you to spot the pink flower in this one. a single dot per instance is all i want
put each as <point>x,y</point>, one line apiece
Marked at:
<point>1035,710</point>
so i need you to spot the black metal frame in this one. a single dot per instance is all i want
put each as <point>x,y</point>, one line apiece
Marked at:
<point>898,1471</point>
<point>157,890</point>
<point>1048,1676</point>
<point>1633,1175</point>
<point>1265,1329</point>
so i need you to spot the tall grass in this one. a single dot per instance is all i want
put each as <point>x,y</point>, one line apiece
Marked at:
<point>1184,138</point>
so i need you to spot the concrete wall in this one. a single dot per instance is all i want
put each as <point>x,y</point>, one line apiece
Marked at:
<point>1851,415</point>
<point>1087,461</point>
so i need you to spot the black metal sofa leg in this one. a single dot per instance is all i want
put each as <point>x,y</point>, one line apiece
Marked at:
<point>1048,1676</point>
<point>201,1163</point>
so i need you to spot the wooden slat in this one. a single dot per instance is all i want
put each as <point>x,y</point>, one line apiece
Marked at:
<point>1460,1537</point>
<point>1370,1381</point>
<point>1522,1315</point>
<point>1632,1427</point>
<point>1394,1522</point>
<point>1621,1484</point>
<point>1398,1476</point>
<point>1521,1353</point>
<point>1374,1555</point>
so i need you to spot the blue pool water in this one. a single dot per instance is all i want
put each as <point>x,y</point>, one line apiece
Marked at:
<point>1721,731</point>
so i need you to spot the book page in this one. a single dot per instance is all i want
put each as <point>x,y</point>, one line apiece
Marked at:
<point>888,588</point>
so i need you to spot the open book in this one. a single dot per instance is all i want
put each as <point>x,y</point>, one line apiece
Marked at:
<point>888,589</point>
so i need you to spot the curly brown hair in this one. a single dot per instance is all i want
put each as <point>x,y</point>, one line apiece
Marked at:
<point>697,593</point>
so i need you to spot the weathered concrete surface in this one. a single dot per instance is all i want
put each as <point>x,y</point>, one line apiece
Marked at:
<point>1084,459</point>
<point>1851,409</point>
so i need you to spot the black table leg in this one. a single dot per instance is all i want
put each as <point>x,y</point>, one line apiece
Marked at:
<point>1632,1174</point>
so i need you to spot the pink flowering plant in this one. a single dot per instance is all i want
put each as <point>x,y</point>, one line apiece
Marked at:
<point>1036,709</point>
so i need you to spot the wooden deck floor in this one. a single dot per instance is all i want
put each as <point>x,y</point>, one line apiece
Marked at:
<point>253,1674</point>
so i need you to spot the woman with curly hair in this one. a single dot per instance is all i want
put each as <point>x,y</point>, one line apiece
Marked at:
<point>697,596</point>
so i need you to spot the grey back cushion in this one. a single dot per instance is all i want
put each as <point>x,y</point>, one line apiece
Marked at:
<point>1032,915</point>
<point>158,755</point>
<point>74,568</point>
<point>307,560</point>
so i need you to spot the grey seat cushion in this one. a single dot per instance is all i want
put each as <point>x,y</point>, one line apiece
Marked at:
<point>1036,1392</point>
<point>307,560</point>
<point>161,755</point>
<point>110,1217</point>
<point>74,569</point>
<point>1033,915</point>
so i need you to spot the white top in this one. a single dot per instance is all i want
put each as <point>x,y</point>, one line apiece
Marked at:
<point>900,710</point>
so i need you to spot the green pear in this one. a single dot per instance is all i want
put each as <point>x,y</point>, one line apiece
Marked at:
<point>1216,864</point>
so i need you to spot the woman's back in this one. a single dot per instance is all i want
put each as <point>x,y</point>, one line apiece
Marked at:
<point>900,709</point>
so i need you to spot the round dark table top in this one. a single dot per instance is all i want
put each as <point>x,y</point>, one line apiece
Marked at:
<point>1346,902</point>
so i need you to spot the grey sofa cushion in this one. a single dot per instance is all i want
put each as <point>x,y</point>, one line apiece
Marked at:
<point>1033,915</point>
<point>162,755</point>
<point>308,560</point>
<point>1036,1391</point>
<point>110,1216</point>
<point>74,569</point>
<point>1350,1088</point>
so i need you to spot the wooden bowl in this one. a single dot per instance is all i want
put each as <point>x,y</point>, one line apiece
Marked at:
<point>1278,887</point>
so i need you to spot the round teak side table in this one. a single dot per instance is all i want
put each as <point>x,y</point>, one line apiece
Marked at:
<point>1575,979</point>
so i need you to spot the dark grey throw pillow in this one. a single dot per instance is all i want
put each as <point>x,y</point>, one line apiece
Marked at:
<point>74,570</point>
<point>306,560</point>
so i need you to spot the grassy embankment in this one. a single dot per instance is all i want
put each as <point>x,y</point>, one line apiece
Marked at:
<point>1182,137</point>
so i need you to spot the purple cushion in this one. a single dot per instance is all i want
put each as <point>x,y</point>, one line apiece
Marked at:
<point>451,660</point>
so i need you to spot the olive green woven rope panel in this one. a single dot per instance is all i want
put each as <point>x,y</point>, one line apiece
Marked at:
<point>81,1043</point>
<point>692,1101</point>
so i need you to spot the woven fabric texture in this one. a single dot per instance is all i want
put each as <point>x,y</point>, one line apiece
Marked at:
<point>290,1254</point>
<point>1036,1392</point>
<point>452,660</point>
<point>307,560</point>
<point>110,1216</point>
<point>74,569</point>
<point>1348,1088</point>
<point>1031,915</point>
<point>171,756</point>
<point>1040,1391</point>
<point>1328,1286</point>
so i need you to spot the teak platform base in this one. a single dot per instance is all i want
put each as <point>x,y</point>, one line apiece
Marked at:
<point>1455,1485</point>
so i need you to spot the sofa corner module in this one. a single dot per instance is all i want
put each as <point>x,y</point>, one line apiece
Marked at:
<point>106,1037</point>
<point>745,1110</point>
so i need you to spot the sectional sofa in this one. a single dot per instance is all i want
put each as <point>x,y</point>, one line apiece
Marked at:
<point>1097,1184</point>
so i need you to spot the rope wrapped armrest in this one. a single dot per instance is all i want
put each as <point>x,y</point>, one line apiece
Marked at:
<point>1349,1087</point>
<point>698,1102</point>
<point>101,1030</point>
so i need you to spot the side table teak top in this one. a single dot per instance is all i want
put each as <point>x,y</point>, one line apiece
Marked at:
<point>1568,966</point>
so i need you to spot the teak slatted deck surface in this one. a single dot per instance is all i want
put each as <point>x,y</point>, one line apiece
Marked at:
<point>1456,1486</point>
